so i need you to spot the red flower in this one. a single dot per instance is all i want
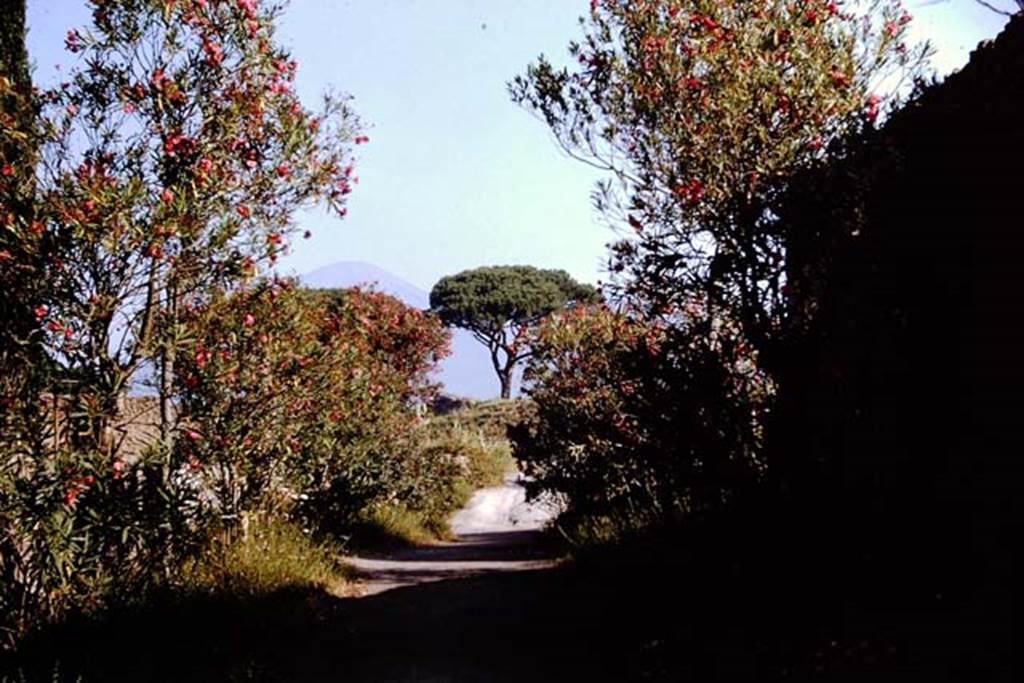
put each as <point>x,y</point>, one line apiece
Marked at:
<point>361,139</point>
<point>243,210</point>
<point>250,320</point>
<point>167,196</point>
<point>692,191</point>
<point>872,107</point>
<point>7,170</point>
<point>41,311</point>
<point>274,238</point>
<point>282,170</point>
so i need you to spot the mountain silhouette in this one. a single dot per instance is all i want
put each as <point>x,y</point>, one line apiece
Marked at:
<point>467,372</point>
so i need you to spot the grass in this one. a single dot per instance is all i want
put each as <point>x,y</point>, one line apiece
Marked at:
<point>459,452</point>
<point>386,527</point>
<point>221,611</point>
<point>274,555</point>
<point>490,419</point>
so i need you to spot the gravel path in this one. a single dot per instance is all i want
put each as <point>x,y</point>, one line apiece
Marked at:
<point>497,531</point>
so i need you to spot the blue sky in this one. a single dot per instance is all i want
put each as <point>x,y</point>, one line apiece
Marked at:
<point>455,175</point>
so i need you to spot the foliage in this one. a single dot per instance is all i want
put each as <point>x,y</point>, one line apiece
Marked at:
<point>80,533</point>
<point>635,420</point>
<point>701,111</point>
<point>297,395</point>
<point>499,304</point>
<point>172,161</point>
<point>449,457</point>
<point>473,460</point>
<point>165,169</point>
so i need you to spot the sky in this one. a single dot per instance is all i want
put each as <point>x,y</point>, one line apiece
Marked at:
<point>455,175</point>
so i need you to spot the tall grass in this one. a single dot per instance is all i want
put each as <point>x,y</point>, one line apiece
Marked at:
<point>272,555</point>
<point>455,454</point>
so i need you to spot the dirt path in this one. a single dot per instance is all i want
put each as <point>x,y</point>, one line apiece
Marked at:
<point>495,605</point>
<point>498,531</point>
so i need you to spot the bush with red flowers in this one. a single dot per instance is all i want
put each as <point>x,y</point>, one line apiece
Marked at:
<point>634,420</point>
<point>303,402</point>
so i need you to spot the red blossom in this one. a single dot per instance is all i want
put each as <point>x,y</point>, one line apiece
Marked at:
<point>692,191</point>
<point>872,103</point>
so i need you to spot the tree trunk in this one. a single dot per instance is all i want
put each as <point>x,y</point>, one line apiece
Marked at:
<point>504,370</point>
<point>506,383</point>
<point>167,357</point>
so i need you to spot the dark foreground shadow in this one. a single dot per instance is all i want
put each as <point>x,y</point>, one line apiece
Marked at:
<point>498,627</point>
<point>706,614</point>
<point>495,546</point>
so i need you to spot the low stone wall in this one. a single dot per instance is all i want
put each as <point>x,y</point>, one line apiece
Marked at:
<point>136,427</point>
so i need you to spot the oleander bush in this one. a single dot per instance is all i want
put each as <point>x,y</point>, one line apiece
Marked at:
<point>303,403</point>
<point>632,420</point>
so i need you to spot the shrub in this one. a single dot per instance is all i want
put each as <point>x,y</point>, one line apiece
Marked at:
<point>633,420</point>
<point>165,167</point>
<point>449,457</point>
<point>80,532</point>
<point>308,398</point>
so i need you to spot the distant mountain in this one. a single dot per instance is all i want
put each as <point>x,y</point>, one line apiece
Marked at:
<point>344,274</point>
<point>467,372</point>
